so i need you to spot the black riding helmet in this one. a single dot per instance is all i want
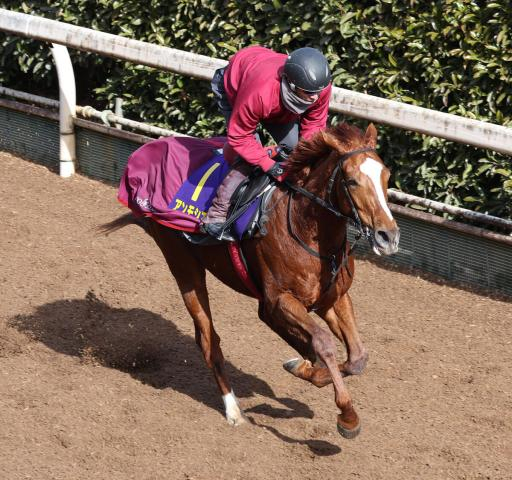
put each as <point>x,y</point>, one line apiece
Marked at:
<point>307,69</point>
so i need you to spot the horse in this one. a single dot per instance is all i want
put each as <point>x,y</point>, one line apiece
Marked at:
<point>304,263</point>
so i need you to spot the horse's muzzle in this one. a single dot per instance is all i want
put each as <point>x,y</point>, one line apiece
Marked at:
<point>385,242</point>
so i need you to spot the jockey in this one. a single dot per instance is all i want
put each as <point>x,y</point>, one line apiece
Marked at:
<point>288,94</point>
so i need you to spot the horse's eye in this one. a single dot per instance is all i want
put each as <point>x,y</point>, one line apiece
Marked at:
<point>352,182</point>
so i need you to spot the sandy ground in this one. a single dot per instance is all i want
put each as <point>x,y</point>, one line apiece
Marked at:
<point>100,376</point>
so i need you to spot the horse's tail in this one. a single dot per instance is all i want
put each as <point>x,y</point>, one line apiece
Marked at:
<point>121,222</point>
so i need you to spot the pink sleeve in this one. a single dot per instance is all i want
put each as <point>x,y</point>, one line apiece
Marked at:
<point>247,113</point>
<point>315,118</point>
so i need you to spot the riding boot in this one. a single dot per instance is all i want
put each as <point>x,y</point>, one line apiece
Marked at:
<point>213,223</point>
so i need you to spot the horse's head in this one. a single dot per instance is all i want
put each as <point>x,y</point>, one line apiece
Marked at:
<point>355,180</point>
<point>363,189</point>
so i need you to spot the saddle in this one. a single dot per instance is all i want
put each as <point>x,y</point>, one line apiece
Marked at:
<point>247,214</point>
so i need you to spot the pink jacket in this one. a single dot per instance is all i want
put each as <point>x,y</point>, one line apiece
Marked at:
<point>252,83</point>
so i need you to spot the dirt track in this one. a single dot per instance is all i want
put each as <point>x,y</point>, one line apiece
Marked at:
<point>100,376</point>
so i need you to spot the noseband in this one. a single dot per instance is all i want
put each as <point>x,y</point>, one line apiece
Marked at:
<point>354,218</point>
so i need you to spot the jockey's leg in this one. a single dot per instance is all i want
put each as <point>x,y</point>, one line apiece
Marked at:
<point>217,85</point>
<point>190,277</point>
<point>286,134</point>
<point>216,216</point>
<point>288,310</point>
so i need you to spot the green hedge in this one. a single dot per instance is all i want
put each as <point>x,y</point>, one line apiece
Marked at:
<point>453,56</point>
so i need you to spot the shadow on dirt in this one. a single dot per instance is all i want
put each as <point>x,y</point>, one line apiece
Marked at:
<point>318,447</point>
<point>146,346</point>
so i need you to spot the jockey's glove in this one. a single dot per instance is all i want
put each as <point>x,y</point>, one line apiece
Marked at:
<point>282,152</point>
<point>276,171</point>
<point>279,153</point>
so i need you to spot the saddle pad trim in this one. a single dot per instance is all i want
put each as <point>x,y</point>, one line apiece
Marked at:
<point>165,223</point>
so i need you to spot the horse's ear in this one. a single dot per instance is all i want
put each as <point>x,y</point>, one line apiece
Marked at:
<point>370,137</point>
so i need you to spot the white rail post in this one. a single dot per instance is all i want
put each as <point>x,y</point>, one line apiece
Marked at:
<point>118,110</point>
<point>67,109</point>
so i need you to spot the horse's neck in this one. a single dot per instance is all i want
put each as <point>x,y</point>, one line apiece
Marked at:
<point>317,225</point>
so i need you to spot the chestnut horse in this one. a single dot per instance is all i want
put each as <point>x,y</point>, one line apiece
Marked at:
<point>303,264</point>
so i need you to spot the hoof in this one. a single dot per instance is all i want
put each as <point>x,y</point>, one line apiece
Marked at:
<point>234,415</point>
<point>357,366</point>
<point>237,420</point>
<point>292,364</point>
<point>350,430</point>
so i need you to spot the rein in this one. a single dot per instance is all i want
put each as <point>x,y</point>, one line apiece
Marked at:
<point>355,220</point>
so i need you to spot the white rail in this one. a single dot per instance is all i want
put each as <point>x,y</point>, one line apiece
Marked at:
<point>80,38</point>
<point>408,117</point>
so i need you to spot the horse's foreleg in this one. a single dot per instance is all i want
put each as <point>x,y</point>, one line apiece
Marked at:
<point>341,320</point>
<point>297,339</point>
<point>296,317</point>
<point>190,276</point>
<point>303,368</point>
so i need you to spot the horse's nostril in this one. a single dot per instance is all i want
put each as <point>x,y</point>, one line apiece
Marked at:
<point>382,236</point>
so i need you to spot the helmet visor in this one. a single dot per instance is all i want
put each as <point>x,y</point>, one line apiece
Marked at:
<point>294,89</point>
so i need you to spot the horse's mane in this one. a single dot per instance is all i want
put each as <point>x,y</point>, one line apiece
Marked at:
<point>307,153</point>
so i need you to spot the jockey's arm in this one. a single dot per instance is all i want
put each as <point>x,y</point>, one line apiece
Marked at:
<point>247,114</point>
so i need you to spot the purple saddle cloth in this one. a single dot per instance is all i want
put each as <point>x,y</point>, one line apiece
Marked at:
<point>174,180</point>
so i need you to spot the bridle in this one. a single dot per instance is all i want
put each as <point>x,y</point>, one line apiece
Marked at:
<point>353,218</point>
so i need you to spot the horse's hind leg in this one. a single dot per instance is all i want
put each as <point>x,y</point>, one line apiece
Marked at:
<point>190,276</point>
<point>196,300</point>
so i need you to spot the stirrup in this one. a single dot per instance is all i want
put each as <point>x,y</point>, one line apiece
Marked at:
<point>218,231</point>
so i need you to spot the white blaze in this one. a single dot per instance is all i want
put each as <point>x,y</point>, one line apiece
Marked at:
<point>373,169</point>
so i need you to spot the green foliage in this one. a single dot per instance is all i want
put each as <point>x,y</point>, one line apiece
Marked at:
<point>451,55</point>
